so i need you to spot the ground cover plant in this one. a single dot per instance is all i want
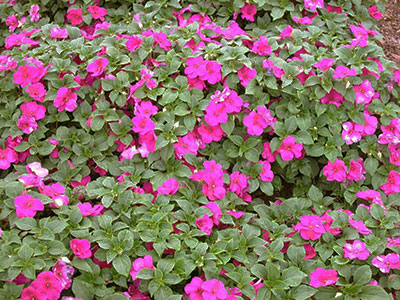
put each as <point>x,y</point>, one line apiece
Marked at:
<point>198,150</point>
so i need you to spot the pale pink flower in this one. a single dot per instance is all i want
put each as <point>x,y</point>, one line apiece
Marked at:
<point>34,13</point>
<point>58,33</point>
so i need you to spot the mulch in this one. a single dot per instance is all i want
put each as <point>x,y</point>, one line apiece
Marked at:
<point>389,27</point>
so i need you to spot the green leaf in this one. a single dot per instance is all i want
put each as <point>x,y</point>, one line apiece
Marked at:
<point>122,264</point>
<point>373,292</point>
<point>82,289</point>
<point>315,194</point>
<point>362,275</point>
<point>292,276</point>
<point>304,137</point>
<point>371,165</point>
<point>26,223</point>
<point>303,292</point>
<point>166,265</point>
<point>264,293</point>
<point>81,264</point>
<point>145,273</point>
<point>25,252</point>
<point>267,188</point>
<point>260,271</point>
<point>229,125</point>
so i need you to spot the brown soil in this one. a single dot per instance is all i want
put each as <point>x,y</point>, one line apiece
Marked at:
<point>389,27</point>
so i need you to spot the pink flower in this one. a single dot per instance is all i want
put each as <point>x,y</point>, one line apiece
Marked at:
<point>97,12</point>
<point>359,226</point>
<point>194,289</point>
<point>98,66</point>
<point>216,210</point>
<point>385,263</point>
<point>142,124</point>
<point>195,66</point>
<point>186,144</point>
<point>364,92</point>
<point>310,227</point>
<point>216,114</point>
<point>145,108</point>
<point>27,206</point>
<point>313,4</point>
<point>350,134</point>
<point>30,293</point>
<point>290,149</point>
<point>212,72</point>
<point>333,97</point>
<point>235,214</point>
<point>255,123</point>
<point>169,187</point>
<point>205,224</point>
<point>261,46</point>
<point>393,183</point>
<point>210,133</point>
<point>267,153</point>
<point>87,209</point>
<point>65,100</point>
<point>27,124</point>
<point>356,250</point>
<point>335,171</point>
<point>246,75</point>
<point>266,173</point>
<point>34,13</point>
<point>248,11</point>
<point>343,72</point>
<point>58,33</point>
<point>12,22</point>
<point>25,75</point>
<point>75,16</point>
<point>322,277</point>
<point>7,156</point>
<point>141,263</point>
<point>31,109</point>
<point>310,251</point>
<point>356,170</point>
<point>286,33</point>
<point>161,39</point>
<point>214,290</point>
<point>81,248</point>
<point>374,12</point>
<point>37,91</point>
<point>48,284</point>
<point>325,64</point>
<point>238,182</point>
<point>133,43</point>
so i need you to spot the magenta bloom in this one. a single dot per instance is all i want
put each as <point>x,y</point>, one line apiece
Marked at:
<point>356,170</point>
<point>195,66</point>
<point>325,64</point>
<point>335,171</point>
<point>30,293</point>
<point>216,210</point>
<point>34,13</point>
<point>97,12</point>
<point>7,156</point>
<point>350,134</point>
<point>238,182</point>
<point>214,290</point>
<point>210,133</point>
<point>393,183</point>
<point>261,46</point>
<point>75,16</point>
<point>32,109</point>
<point>385,263</point>
<point>141,263</point>
<point>58,33</point>
<point>246,75</point>
<point>255,123</point>
<point>313,4</point>
<point>169,187</point>
<point>343,72</point>
<point>374,12</point>
<point>310,227</point>
<point>205,224</point>
<point>290,149</point>
<point>212,72</point>
<point>81,248</point>
<point>133,43</point>
<point>322,277</point>
<point>364,92</point>
<point>194,290</point>
<point>27,124</point>
<point>142,124</point>
<point>65,100</point>
<point>27,206</point>
<point>266,173</point>
<point>356,250</point>
<point>87,209</point>
<point>25,75</point>
<point>216,114</point>
<point>37,91</point>
<point>48,284</point>
<point>359,226</point>
<point>98,66</point>
<point>248,11</point>
<point>333,97</point>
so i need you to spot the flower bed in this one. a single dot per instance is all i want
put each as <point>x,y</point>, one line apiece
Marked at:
<point>200,150</point>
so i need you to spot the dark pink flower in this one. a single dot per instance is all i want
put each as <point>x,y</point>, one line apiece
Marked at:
<point>161,39</point>
<point>214,290</point>
<point>169,187</point>
<point>27,124</point>
<point>335,171</point>
<point>32,109</point>
<point>25,75</point>
<point>261,47</point>
<point>98,66</point>
<point>7,156</point>
<point>31,293</point>
<point>141,263</point>
<point>81,248</point>
<point>333,97</point>
<point>356,170</point>
<point>97,12</point>
<point>216,114</point>
<point>374,12</point>
<point>194,289</point>
<point>75,16</point>
<point>266,173</point>
<point>63,272</point>
<point>290,149</point>
<point>216,210</point>
<point>313,4</point>
<point>195,66</point>
<point>246,75</point>
<point>133,43</point>
<point>65,100</point>
<point>310,227</point>
<point>325,64</point>
<point>248,11</point>
<point>205,224</point>
<point>322,277</point>
<point>142,124</point>
<point>210,133</point>
<point>48,284</point>
<point>27,206</point>
<point>87,209</point>
<point>211,72</point>
<point>310,251</point>
<point>343,72</point>
<point>393,183</point>
<point>37,91</point>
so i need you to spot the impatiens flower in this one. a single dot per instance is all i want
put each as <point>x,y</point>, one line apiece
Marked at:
<point>393,183</point>
<point>261,47</point>
<point>133,43</point>
<point>266,173</point>
<point>310,251</point>
<point>216,114</point>
<point>34,13</point>
<point>27,124</point>
<point>161,39</point>
<point>385,263</point>
<point>216,210</point>
<point>32,109</point>
<point>30,293</point>
<point>87,209</point>
<point>25,75</point>
<point>7,156</point>
<point>65,100</point>
<point>335,171</point>
<point>98,66</point>
<point>248,11</point>
<point>343,72</point>
<point>194,289</point>
<point>37,169</point>
<point>75,16</point>
<point>364,92</point>
<point>145,108</point>
<point>195,66</point>
<point>359,226</point>
<point>290,149</point>
<point>48,284</point>
<point>356,250</point>
<point>141,263</point>
<point>58,33</point>
<point>205,224</point>
<point>37,91</point>
<point>374,12</point>
<point>209,134</point>
<point>97,12</point>
<point>333,97</point>
<point>212,72</point>
<point>214,290</point>
<point>325,64</point>
<point>255,123</point>
<point>27,206</point>
<point>142,124</point>
<point>238,182</point>
<point>246,75</point>
<point>356,170</point>
<point>169,187</point>
<point>350,133</point>
<point>63,272</point>
<point>267,153</point>
<point>322,277</point>
<point>186,144</point>
<point>81,248</point>
<point>310,227</point>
